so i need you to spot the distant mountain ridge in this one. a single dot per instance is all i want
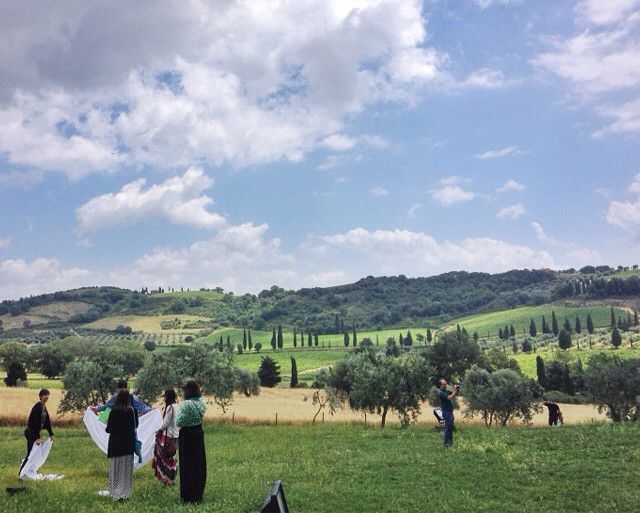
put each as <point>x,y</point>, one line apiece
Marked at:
<point>371,302</point>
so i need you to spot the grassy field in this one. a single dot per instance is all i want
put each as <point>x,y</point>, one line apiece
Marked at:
<point>357,469</point>
<point>145,323</point>
<point>527,361</point>
<point>60,310</point>
<point>488,324</point>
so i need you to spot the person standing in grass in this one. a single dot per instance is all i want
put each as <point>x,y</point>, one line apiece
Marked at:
<point>555,415</point>
<point>164,456</point>
<point>121,426</point>
<point>193,461</point>
<point>447,404</point>
<point>38,420</point>
<point>140,407</point>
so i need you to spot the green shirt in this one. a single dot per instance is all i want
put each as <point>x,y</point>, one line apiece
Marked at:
<point>445,403</point>
<point>191,412</point>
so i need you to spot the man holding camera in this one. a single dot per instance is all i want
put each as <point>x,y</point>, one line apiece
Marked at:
<point>447,404</point>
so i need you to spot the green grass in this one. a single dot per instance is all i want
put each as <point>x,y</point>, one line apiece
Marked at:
<point>358,469</point>
<point>627,274</point>
<point>36,381</point>
<point>527,361</point>
<point>490,323</point>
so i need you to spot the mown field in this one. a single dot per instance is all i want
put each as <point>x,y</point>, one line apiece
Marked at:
<point>145,323</point>
<point>487,325</point>
<point>357,469</point>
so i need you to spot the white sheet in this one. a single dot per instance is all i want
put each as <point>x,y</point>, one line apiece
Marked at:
<point>149,424</point>
<point>37,458</point>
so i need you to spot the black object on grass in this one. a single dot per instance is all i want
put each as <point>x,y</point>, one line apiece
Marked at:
<point>13,490</point>
<point>275,501</point>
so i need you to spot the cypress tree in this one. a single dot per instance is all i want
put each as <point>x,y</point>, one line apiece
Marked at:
<point>309,340</point>
<point>554,324</point>
<point>613,318</point>
<point>590,328</point>
<point>244,339</point>
<point>429,336</point>
<point>514,347</point>
<point>294,373</point>
<point>269,372</point>
<point>567,325</point>
<point>545,327</point>
<point>564,339</point>
<point>476,336</point>
<point>295,338</point>
<point>616,338</point>
<point>280,338</point>
<point>377,339</point>
<point>636,321</point>
<point>345,338</point>
<point>315,340</point>
<point>512,331</point>
<point>249,340</point>
<point>500,335</point>
<point>355,336</point>
<point>542,376</point>
<point>408,339</point>
<point>533,331</point>
<point>273,340</point>
<point>578,325</point>
<point>401,340</point>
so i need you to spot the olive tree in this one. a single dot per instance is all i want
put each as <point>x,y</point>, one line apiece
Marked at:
<point>614,384</point>
<point>214,371</point>
<point>375,382</point>
<point>499,397</point>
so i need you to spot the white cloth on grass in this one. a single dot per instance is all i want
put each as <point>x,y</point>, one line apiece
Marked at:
<point>149,424</point>
<point>37,458</point>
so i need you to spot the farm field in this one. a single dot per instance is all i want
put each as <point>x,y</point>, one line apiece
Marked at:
<point>291,405</point>
<point>145,323</point>
<point>58,311</point>
<point>527,361</point>
<point>488,324</point>
<point>327,469</point>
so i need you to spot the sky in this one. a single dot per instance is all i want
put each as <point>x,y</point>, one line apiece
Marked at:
<point>302,143</point>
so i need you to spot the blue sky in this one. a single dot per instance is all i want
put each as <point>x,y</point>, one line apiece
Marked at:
<point>314,143</point>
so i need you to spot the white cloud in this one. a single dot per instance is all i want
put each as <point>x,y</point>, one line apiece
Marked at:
<point>626,214</point>
<point>453,180</point>
<point>511,212</point>
<point>418,254</point>
<point>448,195</point>
<point>328,278</point>
<point>574,255</point>
<point>603,12</point>
<point>495,154</point>
<point>600,61</point>
<point>379,192</point>
<point>486,78</point>
<point>238,258</point>
<point>178,200</point>
<point>94,86</point>
<point>511,185</point>
<point>19,278</point>
<point>413,210</point>
<point>4,243</point>
<point>332,161</point>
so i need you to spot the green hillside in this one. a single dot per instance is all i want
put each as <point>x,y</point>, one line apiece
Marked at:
<point>487,325</point>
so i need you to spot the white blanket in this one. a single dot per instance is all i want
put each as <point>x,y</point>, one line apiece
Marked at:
<point>149,424</point>
<point>37,458</point>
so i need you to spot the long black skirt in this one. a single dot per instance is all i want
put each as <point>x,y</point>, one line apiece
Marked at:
<point>193,463</point>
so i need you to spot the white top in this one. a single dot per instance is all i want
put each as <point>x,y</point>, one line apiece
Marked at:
<point>169,422</point>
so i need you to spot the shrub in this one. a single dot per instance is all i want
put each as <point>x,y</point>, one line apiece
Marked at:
<point>150,345</point>
<point>269,372</point>
<point>16,374</point>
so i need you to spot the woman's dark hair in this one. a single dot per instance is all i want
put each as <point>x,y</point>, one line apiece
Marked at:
<point>122,383</point>
<point>170,397</point>
<point>191,389</point>
<point>43,392</point>
<point>123,400</point>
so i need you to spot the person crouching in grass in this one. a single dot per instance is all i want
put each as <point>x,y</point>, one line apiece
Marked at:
<point>38,420</point>
<point>121,426</point>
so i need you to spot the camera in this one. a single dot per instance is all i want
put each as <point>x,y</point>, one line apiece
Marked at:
<point>458,387</point>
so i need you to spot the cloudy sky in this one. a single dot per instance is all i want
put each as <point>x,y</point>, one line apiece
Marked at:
<point>248,143</point>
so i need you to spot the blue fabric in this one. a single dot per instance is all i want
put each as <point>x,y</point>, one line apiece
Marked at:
<point>448,427</point>
<point>136,404</point>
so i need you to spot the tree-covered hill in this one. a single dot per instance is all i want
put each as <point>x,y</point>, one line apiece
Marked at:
<point>372,302</point>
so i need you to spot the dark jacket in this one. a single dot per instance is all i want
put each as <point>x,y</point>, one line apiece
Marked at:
<point>120,427</point>
<point>38,419</point>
